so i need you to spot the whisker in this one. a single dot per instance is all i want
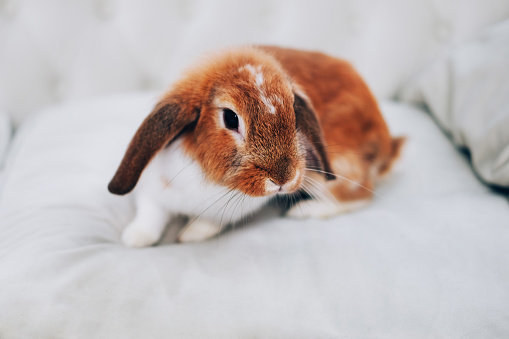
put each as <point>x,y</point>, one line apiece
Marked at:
<point>338,151</point>
<point>314,192</point>
<point>309,192</point>
<point>224,209</point>
<point>316,183</point>
<point>319,171</point>
<point>292,201</point>
<point>246,215</point>
<point>214,195</point>
<point>322,195</point>
<point>347,179</point>
<point>179,172</point>
<point>194,220</point>
<point>318,196</point>
<point>240,200</point>
<point>235,205</point>
<point>237,197</point>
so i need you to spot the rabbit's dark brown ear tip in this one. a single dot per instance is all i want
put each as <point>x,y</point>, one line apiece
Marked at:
<point>118,189</point>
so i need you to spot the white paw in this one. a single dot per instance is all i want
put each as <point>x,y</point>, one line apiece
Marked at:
<point>137,235</point>
<point>319,209</point>
<point>199,230</point>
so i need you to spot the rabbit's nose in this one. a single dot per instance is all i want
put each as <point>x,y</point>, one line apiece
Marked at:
<point>282,171</point>
<point>287,187</point>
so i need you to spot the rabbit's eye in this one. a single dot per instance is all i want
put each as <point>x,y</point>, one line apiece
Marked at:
<point>231,120</point>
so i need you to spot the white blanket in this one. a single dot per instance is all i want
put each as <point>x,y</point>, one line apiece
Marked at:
<point>5,138</point>
<point>5,135</point>
<point>467,91</point>
<point>427,259</point>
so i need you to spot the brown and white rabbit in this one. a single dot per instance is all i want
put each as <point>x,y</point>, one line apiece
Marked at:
<point>248,124</point>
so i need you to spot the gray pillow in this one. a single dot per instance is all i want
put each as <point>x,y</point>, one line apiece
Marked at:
<point>467,91</point>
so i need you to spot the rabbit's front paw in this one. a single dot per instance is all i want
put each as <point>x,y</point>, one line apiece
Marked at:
<point>199,230</point>
<point>138,235</point>
<point>323,209</point>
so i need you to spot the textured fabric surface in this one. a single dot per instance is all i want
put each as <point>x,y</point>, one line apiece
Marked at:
<point>60,50</point>
<point>5,135</point>
<point>467,91</point>
<point>427,259</point>
<point>5,138</point>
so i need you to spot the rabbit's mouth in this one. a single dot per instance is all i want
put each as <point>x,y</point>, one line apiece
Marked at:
<point>273,187</point>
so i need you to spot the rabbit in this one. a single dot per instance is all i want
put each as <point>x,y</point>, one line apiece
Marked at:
<point>248,124</point>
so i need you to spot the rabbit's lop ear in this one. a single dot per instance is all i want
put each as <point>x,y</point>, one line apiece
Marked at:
<point>307,124</point>
<point>162,125</point>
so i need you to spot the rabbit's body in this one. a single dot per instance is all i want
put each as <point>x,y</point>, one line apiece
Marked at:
<point>246,125</point>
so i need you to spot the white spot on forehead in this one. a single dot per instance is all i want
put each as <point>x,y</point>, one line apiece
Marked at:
<point>256,72</point>
<point>267,103</point>
<point>277,99</point>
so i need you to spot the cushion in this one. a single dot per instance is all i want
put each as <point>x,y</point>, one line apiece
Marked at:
<point>5,137</point>
<point>428,258</point>
<point>466,90</point>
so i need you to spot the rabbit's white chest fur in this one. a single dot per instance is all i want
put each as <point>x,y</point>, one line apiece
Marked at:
<point>174,183</point>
